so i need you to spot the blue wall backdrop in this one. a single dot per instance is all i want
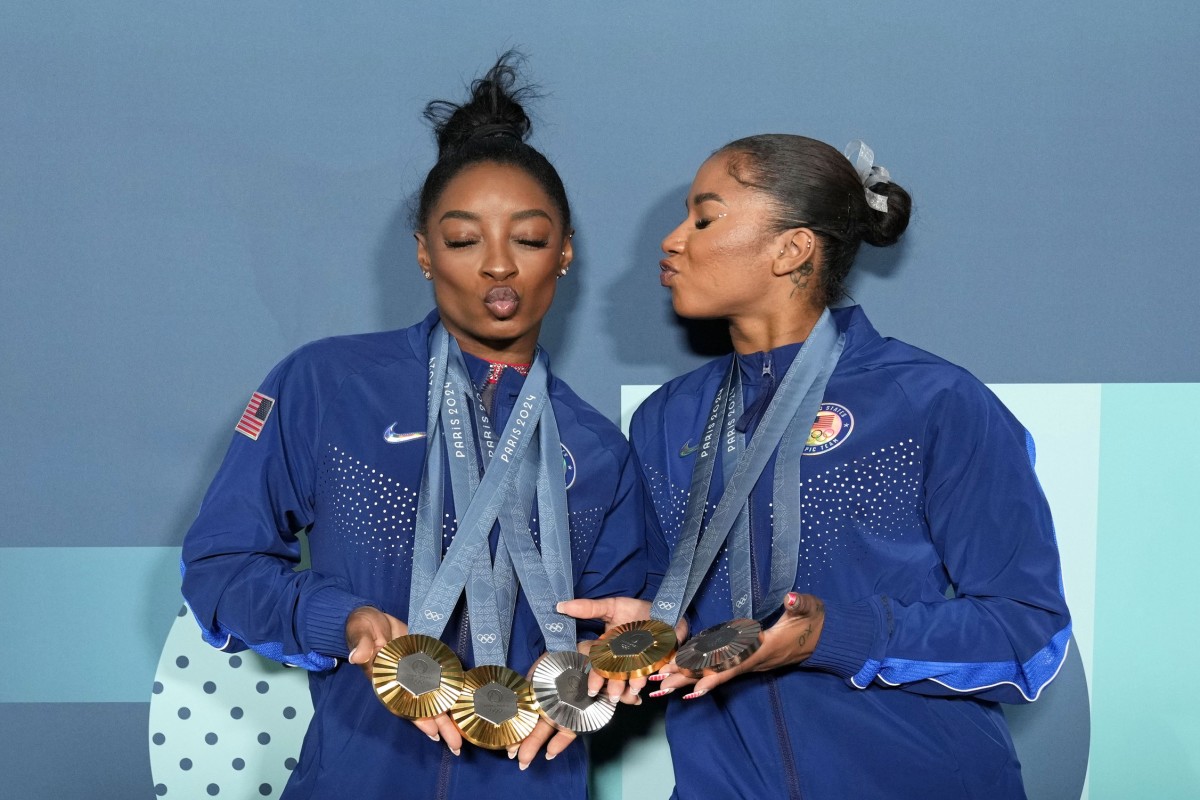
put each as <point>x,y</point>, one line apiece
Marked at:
<point>189,191</point>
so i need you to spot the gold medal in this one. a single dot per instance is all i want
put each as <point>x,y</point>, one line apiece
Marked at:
<point>719,648</point>
<point>417,676</point>
<point>634,649</point>
<point>496,709</point>
<point>560,686</point>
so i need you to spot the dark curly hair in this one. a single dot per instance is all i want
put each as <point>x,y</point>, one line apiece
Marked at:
<point>491,126</point>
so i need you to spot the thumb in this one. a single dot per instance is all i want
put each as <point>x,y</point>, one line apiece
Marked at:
<point>800,605</point>
<point>360,651</point>
<point>585,608</point>
<point>364,645</point>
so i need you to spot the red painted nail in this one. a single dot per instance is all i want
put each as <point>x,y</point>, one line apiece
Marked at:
<point>658,676</point>
<point>694,695</point>
<point>792,599</point>
<point>662,692</point>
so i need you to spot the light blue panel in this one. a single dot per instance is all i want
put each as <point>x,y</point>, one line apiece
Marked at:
<point>1146,719</point>
<point>84,624</point>
<point>1064,420</point>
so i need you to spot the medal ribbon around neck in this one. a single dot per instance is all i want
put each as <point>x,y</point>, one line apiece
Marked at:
<point>436,587</point>
<point>795,405</point>
<point>546,576</point>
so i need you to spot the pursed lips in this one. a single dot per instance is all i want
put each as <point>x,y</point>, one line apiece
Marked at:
<point>667,272</point>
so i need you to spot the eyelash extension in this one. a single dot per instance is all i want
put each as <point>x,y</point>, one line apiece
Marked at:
<point>456,244</point>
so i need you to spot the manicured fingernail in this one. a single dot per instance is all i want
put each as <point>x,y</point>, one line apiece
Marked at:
<point>593,692</point>
<point>435,737</point>
<point>658,676</point>
<point>616,698</point>
<point>792,599</point>
<point>524,766</point>
<point>663,692</point>
<point>550,756</point>
<point>558,608</point>
<point>350,655</point>
<point>456,752</point>
<point>512,752</point>
<point>694,695</point>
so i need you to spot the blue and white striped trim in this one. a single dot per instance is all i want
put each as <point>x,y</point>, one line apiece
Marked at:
<point>1028,678</point>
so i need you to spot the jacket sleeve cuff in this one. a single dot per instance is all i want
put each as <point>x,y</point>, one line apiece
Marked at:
<point>324,620</point>
<point>849,632</point>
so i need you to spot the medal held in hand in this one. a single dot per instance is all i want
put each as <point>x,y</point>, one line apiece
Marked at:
<point>560,687</point>
<point>417,677</point>
<point>634,649</point>
<point>496,709</point>
<point>719,648</point>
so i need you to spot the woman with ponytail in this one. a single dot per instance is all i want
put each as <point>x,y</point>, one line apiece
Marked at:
<point>453,491</point>
<point>850,527</point>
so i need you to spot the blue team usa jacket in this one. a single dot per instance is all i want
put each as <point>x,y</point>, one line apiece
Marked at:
<point>926,535</point>
<point>340,453</point>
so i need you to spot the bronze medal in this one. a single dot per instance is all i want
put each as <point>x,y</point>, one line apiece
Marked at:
<point>634,649</point>
<point>496,709</point>
<point>719,648</point>
<point>560,686</point>
<point>417,676</point>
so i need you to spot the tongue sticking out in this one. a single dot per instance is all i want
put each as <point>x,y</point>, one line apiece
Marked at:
<point>502,302</point>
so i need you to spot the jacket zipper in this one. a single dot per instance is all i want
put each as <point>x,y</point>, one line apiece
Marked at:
<point>781,731</point>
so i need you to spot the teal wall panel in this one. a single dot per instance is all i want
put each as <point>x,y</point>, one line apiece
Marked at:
<point>95,616</point>
<point>1146,719</point>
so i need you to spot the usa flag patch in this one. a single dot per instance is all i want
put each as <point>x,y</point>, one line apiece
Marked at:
<point>255,415</point>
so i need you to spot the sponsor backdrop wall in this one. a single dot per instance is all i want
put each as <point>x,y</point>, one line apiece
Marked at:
<point>189,191</point>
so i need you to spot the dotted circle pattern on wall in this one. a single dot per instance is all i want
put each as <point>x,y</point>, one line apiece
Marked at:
<point>223,724</point>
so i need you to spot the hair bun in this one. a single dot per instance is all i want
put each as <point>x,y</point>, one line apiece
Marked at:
<point>493,111</point>
<point>884,228</point>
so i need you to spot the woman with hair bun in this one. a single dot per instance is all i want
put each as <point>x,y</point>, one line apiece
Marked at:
<point>453,491</point>
<point>853,524</point>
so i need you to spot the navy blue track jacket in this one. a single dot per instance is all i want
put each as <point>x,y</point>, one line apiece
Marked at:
<point>929,540</point>
<point>323,462</point>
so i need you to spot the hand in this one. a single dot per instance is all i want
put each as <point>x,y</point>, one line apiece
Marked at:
<point>789,641</point>
<point>368,630</point>
<point>613,611</point>
<point>554,739</point>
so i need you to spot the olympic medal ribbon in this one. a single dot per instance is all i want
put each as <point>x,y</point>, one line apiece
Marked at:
<point>822,347</point>
<point>559,678</point>
<point>540,571</point>
<point>637,649</point>
<point>432,608</point>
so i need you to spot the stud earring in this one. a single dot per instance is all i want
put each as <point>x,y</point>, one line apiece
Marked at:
<point>428,275</point>
<point>562,273</point>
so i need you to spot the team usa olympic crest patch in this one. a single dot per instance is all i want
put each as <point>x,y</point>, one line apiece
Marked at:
<point>833,425</point>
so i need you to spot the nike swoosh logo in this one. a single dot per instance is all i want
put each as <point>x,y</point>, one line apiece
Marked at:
<point>391,437</point>
<point>688,448</point>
